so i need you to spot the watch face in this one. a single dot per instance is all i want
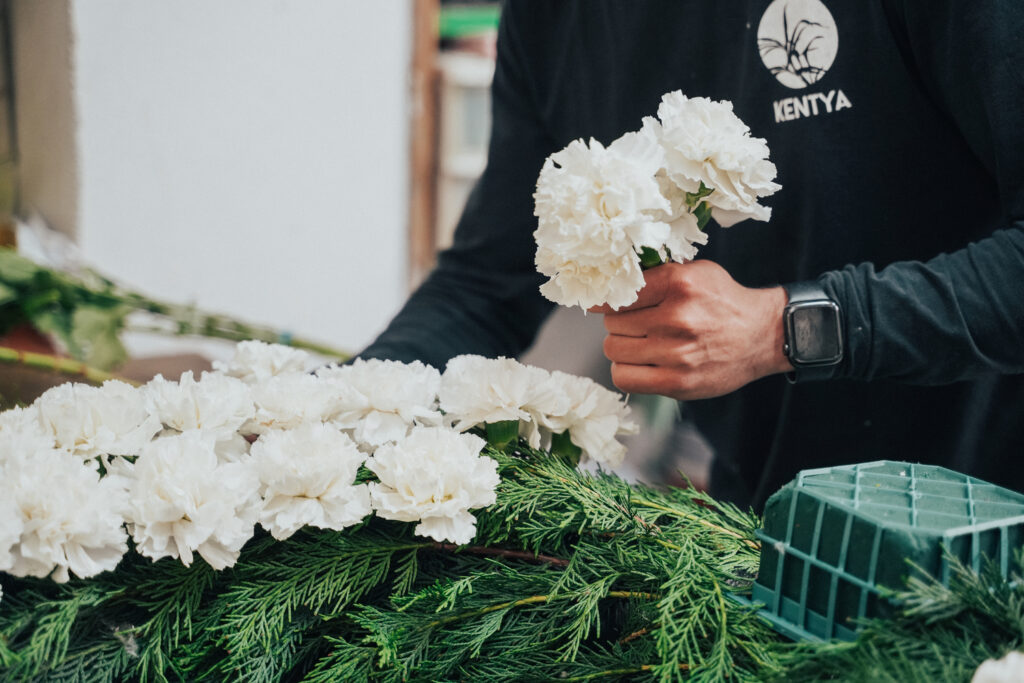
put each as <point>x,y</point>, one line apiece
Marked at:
<point>814,334</point>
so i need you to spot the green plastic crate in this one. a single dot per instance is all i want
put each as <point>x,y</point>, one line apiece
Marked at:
<point>833,536</point>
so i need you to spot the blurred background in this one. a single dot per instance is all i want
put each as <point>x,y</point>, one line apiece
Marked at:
<point>293,164</point>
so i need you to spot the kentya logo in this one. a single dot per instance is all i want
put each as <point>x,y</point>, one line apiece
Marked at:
<point>797,41</point>
<point>811,104</point>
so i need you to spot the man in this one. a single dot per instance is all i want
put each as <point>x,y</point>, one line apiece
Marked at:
<point>898,131</point>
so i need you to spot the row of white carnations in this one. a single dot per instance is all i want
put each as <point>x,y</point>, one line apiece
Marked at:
<point>191,466</point>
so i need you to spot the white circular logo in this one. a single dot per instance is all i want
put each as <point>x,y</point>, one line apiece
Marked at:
<point>798,41</point>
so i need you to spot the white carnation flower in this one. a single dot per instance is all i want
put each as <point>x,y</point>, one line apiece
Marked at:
<point>1009,669</point>
<point>614,282</point>
<point>66,518</point>
<point>597,208</point>
<point>256,361</point>
<point>184,500</point>
<point>92,421</point>
<point>290,400</point>
<point>685,234</point>
<point>434,476</point>
<point>22,432</point>
<point>383,399</point>
<point>216,403</point>
<point>11,524</point>
<point>477,390</point>
<point>705,141</point>
<point>233,449</point>
<point>594,418</point>
<point>306,478</point>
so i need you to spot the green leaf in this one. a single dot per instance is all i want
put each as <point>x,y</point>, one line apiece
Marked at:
<point>692,198</point>
<point>58,323</point>
<point>502,434</point>
<point>703,214</point>
<point>95,330</point>
<point>649,258</point>
<point>16,269</point>
<point>561,444</point>
<point>7,294</point>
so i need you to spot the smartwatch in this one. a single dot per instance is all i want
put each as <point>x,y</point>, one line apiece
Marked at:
<point>813,331</point>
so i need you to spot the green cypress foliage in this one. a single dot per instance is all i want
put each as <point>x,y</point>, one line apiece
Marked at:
<point>573,576</point>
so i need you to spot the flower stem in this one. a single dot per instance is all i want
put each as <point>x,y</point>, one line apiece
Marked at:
<point>66,366</point>
<point>187,320</point>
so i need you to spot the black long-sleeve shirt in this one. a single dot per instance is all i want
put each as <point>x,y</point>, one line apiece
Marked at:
<point>897,127</point>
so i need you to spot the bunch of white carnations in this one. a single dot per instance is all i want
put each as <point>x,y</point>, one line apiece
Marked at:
<point>190,467</point>
<point>605,213</point>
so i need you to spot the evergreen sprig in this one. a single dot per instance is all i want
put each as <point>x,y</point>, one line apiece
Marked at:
<point>937,632</point>
<point>573,576</point>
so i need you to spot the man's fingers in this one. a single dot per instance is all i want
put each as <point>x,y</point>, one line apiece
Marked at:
<point>660,282</point>
<point>647,379</point>
<point>647,321</point>
<point>631,350</point>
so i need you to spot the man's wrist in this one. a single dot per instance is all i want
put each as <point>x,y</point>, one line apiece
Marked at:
<point>774,303</point>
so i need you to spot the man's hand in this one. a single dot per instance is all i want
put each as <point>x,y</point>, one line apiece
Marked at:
<point>694,332</point>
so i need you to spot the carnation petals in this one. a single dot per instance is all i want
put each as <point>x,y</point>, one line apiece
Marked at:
<point>189,468</point>
<point>434,476</point>
<point>599,207</point>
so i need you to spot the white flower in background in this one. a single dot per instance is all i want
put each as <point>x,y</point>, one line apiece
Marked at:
<point>184,500</point>
<point>216,403</point>
<point>597,208</point>
<point>256,361</point>
<point>70,519</point>
<point>306,477</point>
<point>704,141</point>
<point>91,421</point>
<point>383,399</point>
<point>290,400</point>
<point>434,476</point>
<point>1009,669</point>
<point>476,390</point>
<point>594,418</point>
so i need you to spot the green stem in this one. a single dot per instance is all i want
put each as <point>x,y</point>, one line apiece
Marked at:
<point>532,600</point>
<point>502,552</point>
<point>610,672</point>
<point>647,526</point>
<point>618,672</point>
<point>190,321</point>
<point>694,518</point>
<point>64,366</point>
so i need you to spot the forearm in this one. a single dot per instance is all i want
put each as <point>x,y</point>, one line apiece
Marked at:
<point>455,311</point>
<point>952,318</point>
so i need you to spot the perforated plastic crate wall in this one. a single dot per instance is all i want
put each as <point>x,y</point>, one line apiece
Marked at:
<point>833,535</point>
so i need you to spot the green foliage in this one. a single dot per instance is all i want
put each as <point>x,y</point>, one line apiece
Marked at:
<point>573,576</point>
<point>86,313</point>
<point>938,633</point>
<point>85,317</point>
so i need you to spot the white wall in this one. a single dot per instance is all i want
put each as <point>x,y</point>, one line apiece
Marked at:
<point>250,156</point>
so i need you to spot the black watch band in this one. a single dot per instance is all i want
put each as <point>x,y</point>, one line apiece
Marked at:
<point>813,332</point>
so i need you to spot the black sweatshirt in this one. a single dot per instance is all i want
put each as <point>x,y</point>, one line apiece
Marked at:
<point>897,127</point>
